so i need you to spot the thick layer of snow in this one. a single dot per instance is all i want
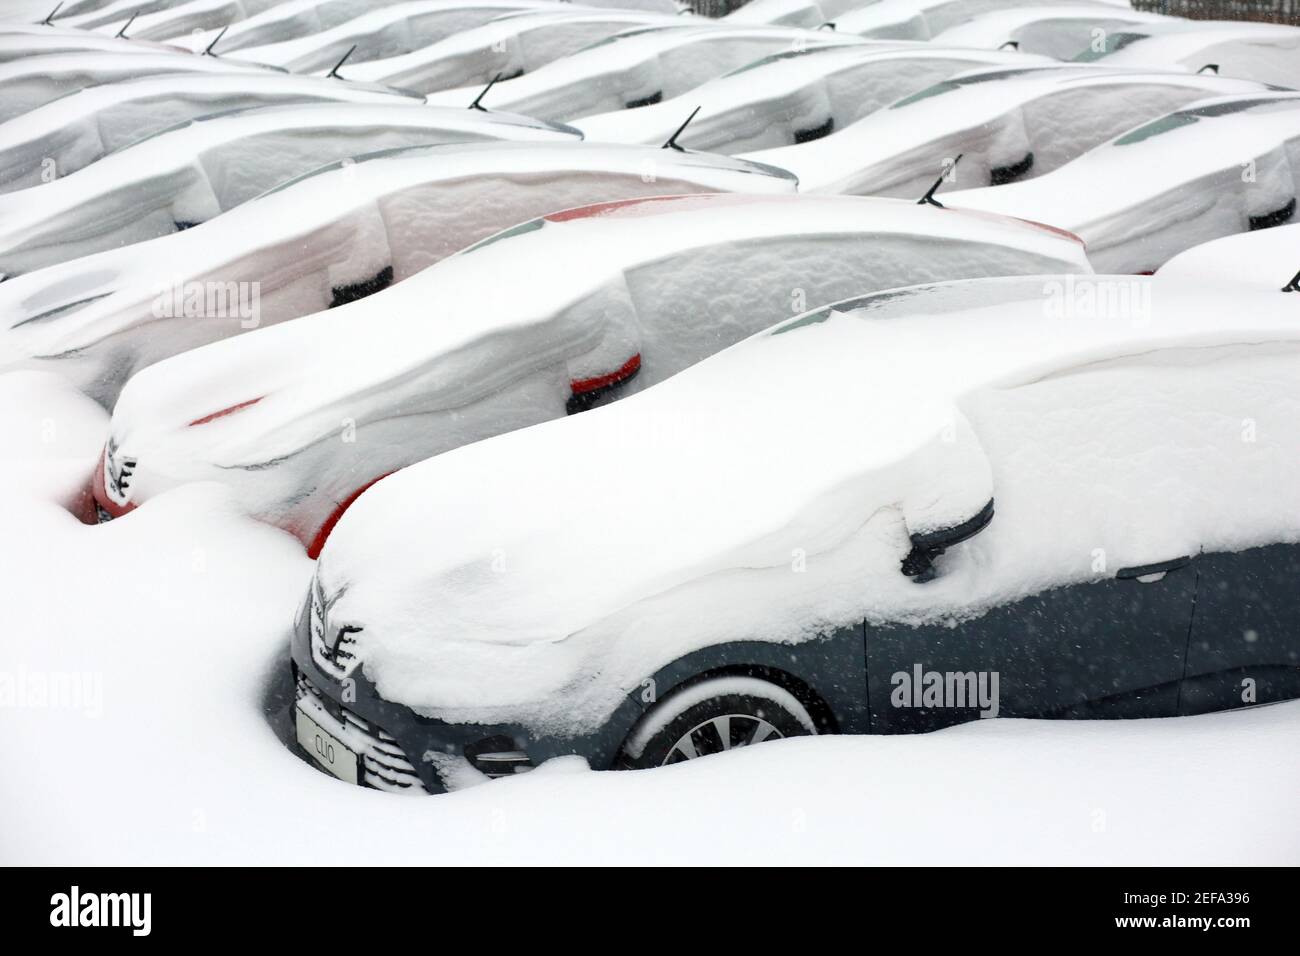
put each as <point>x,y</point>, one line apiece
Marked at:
<point>923,19</point>
<point>507,46</point>
<point>284,21</point>
<point>33,81</point>
<point>1059,30</point>
<point>193,173</point>
<point>1025,121</point>
<point>1197,174</point>
<point>386,32</point>
<point>179,19</point>
<point>1265,259</point>
<point>774,102</point>
<point>73,131</point>
<point>792,13</point>
<point>493,339</point>
<point>111,14</point>
<point>97,319</point>
<point>1267,52</point>
<point>639,67</point>
<point>178,628</point>
<point>1099,412</point>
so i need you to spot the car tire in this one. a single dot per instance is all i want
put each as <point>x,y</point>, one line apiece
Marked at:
<point>712,715</point>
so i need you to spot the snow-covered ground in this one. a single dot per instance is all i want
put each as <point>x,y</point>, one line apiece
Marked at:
<point>159,641</point>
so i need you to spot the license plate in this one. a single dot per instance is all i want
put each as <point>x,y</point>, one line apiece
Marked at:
<point>326,749</point>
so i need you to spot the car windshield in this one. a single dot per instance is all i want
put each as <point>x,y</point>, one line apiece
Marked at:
<point>1187,117</point>
<point>1111,44</point>
<point>530,226</point>
<point>957,83</point>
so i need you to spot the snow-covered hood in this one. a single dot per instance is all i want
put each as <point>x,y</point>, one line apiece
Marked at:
<point>34,81</point>
<point>520,578</point>
<point>189,175</point>
<point>507,46</point>
<point>1263,260</point>
<point>79,128</point>
<point>1203,171</point>
<point>795,96</point>
<point>398,210</point>
<point>923,19</point>
<point>639,67</point>
<point>514,306</point>
<point>1007,123</point>
<point>284,21</point>
<point>187,18</point>
<point>15,46</point>
<point>385,32</point>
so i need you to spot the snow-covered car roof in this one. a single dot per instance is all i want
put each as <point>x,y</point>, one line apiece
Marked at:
<point>509,332</point>
<point>794,96</point>
<point>34,81</point>
<point>1267,52</point>
<point>507,46</point>
<point>75,130</point>
<point>923,19</point>
<point>324,238</point>
<point>183,176</point>
<point>1006,124</point>
<point>1266,259</point>
<point>1060,30</point>
<point>386,32</point>
<point>1210,169</point>
<point>638,67</point>
<point>792,13</point>
<point>541,575</point>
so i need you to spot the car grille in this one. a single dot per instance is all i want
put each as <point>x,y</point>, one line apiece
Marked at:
<point>384,765</point>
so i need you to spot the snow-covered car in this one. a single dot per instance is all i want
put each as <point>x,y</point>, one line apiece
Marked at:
<point>284,21</point>
<point>1267,52</point>
<point>183,176</point>
<point>33,81</point>
<point>794,96</point>
<point>924,19</point>
<point>638,67</point>
<point>73,131</point>
<point>509,46</point>
<point>1264,259</point>
<point>1214,168</point>
<point>553,316</point>
<point>195,16</point>
<point>386,32</point>
<point>835,526</point>
<point>333,236</point>
<point>1060,30</point>
<point>1006,124</point>
<point>15,46</point>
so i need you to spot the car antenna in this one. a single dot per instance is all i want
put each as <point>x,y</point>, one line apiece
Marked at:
<point>928,198</point>
<point>478,100</point>
<point>671,143</point>
<point>1212,67</point>
<point>50,19</point>
<point>334,73</point>
<point>215,40</point>
<point>1293,285</point>
<point>121,34</point>
<point>1011,44</point>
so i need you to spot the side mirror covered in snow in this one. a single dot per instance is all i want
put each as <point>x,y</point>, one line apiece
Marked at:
<point>919,563</point>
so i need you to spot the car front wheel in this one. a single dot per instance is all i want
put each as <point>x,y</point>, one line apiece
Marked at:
<point>713,715</point>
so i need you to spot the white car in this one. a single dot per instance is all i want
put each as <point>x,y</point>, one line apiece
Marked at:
<point>1060,30</point>
<point>1211,169</point>
<point>794,96</point>
<point>509,46</point>
<point>1006,124</point>
<point>924,19</point>
<point>1265,259</point>
<point>34,81</point>
<point>333,236</point>
<point>555,315</point>
<point>388,31</point>
<point>637,68</point>
<point>181,177</point>
<point>16,46</point>
<point>1029,498</point>
<point>284,21</point>
<point>179,20</point>
<point>73,131</point>
<point>1267,52</point>
<point>809,14</point>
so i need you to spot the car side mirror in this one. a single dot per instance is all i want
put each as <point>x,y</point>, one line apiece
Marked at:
<point>919,563</point>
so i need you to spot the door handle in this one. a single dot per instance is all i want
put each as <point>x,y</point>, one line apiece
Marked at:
<point>1151,573</point>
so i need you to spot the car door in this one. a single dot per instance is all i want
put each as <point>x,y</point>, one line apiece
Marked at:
<point>1245,640</point>
<point>1111,648</point>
